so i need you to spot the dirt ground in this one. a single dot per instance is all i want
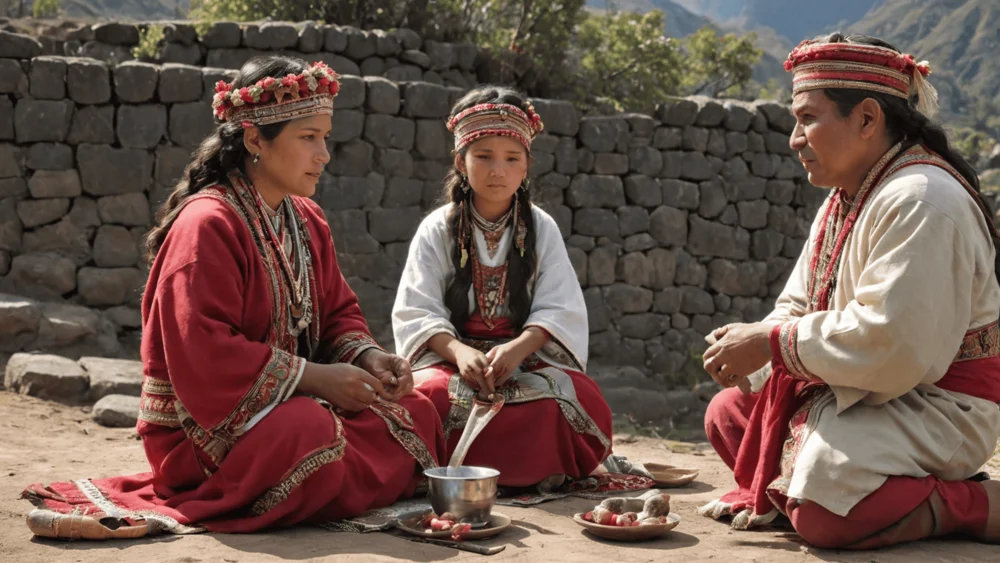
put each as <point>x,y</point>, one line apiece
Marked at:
<point>44,441</point>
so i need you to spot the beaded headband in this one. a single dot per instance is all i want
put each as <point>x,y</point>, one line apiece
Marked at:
<point>272,100</point>
<point>504,120</point>
<point>817,65</point>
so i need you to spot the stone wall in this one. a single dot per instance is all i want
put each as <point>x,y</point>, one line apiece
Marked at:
<point>400,55</point>
<point>676,223</point>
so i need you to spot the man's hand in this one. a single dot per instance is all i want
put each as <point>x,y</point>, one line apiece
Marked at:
<point>740,349</point>
<point>393,371</point>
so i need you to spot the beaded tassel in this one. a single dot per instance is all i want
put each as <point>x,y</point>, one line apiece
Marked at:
<point>463,228</point>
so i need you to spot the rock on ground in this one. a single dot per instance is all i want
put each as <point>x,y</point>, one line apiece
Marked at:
<point>112,377</point>
<point>116,411</point>
<point>46,376</point>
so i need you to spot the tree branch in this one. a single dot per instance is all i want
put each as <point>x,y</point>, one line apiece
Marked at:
<point>631,64</point>
<point>525,10</point>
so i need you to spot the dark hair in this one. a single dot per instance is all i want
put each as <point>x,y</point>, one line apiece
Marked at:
<point>904,123</point>
<point>520,268</point>
<point>222,152</point>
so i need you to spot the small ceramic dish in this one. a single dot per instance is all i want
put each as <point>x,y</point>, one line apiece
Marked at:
<point>497,523</point>
<point>668,476</point>
<point>628,533</point>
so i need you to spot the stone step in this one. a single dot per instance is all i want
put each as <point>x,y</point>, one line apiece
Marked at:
<point>110,376</point>
<point>73,331</point>
<point>46,376</point>
<point>72,381</point>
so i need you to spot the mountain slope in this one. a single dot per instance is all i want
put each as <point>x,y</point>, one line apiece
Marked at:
<point>138,10</point>
<point>958,37</point>
<point>681,22</point>
<point>719,10</point>
<point>797,19</point>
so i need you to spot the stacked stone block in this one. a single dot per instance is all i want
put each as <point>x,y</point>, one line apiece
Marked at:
<point>399,55</point>
<point>676,223</point>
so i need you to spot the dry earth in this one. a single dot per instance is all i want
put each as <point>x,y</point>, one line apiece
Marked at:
<point>44,441</point>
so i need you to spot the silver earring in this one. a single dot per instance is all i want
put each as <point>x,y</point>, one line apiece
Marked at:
<point>465,184</point>
<point>256,159</point>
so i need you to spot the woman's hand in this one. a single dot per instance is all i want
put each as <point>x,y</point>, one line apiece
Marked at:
<point>344,385</point>
<point>504,361</point>
<point>472,365</point>
<point>393,371</point>
<point>740,350</point>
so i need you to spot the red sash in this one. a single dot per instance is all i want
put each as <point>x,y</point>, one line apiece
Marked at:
<point>975,372</point>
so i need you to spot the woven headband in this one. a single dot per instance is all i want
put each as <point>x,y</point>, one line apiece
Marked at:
<point>503,120</point>
<point>816,65</point>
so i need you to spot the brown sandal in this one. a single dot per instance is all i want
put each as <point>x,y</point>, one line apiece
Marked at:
<point>51,524</point>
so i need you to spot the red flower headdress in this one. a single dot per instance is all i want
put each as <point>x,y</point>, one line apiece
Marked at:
<point>272,100</point>
<point>816,65</point>
<point>505,120</point>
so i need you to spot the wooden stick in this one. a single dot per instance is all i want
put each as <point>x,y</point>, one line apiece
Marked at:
<point>463,546</point>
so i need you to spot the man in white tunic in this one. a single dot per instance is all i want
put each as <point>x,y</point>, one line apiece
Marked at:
<point>875,382</point>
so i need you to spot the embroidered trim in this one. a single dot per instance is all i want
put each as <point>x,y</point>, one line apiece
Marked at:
<point>347,347</point>
<point>461,395</point>
<point>832,237</point>
<point>798,431</point>
<point>402,428</point>
<point>490,283</point>
<point>840,216</point>
<point>457,415</point>
<point>279,373</point>
<point>980,343</point>
<point>786,337</point>
<point>845,65</point>
<point>160,411</point>
<point>155,386</point>
<point>287,111</point>
<point>271,386</point>
<point>160,522</point>
<point>815,84</point>
<point>489,119</point>
<point>283,334</point>
<point>310,464</point>
<point>157,403</point>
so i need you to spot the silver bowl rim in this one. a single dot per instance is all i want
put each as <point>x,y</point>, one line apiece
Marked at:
<point>491,474</point>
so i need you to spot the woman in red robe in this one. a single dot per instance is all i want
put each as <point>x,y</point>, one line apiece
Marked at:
<point>489,303</point>
<point>265,399</point>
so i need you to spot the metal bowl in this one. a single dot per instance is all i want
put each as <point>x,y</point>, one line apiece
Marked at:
<point>467,492</point>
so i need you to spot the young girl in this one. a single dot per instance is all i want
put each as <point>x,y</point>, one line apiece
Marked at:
<point>265,401</point>
<point>489,303</point>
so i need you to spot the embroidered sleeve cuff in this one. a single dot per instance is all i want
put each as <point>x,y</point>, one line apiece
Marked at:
<point>784,352</point>
<point>424,345</point>
<point>157,403</point>
<point>348,346</point>
<point>289,391</point>
<point>275,382</point>
<point>557,349</point>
